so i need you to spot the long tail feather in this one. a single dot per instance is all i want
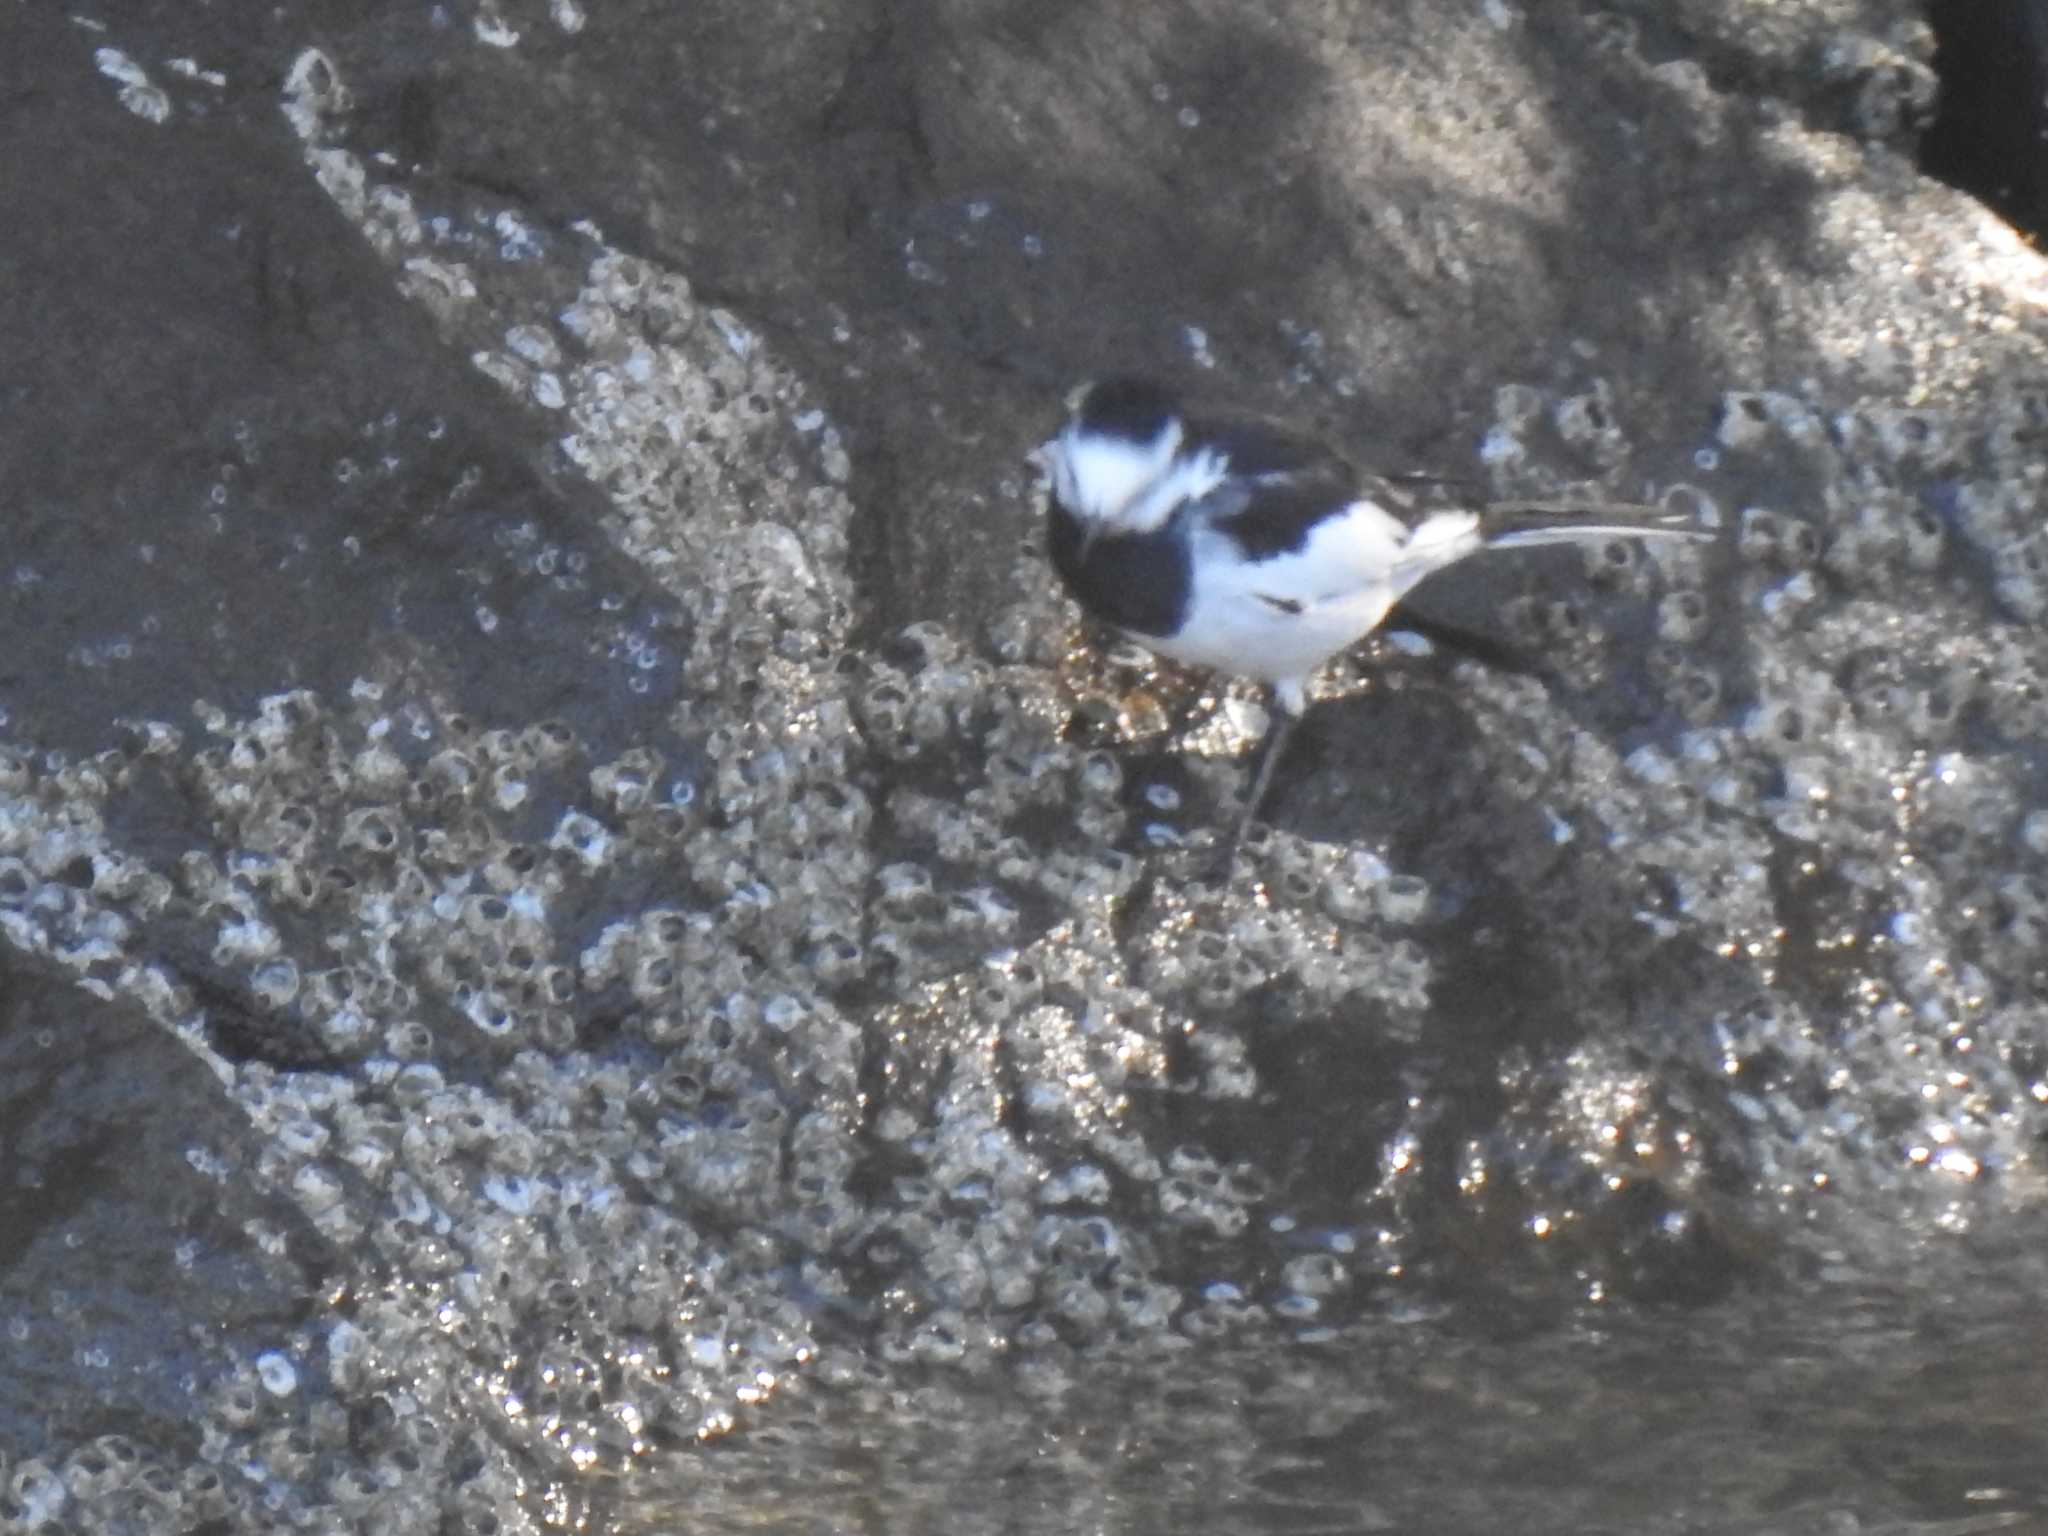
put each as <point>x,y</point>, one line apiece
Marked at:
<point>1519,524</point>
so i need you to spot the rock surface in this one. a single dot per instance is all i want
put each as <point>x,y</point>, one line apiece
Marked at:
<point>573,892</point>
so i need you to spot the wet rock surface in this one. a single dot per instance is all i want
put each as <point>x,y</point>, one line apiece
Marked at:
<point>589,943</point>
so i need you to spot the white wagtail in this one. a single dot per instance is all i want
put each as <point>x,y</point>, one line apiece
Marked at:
<point>1235,544</point>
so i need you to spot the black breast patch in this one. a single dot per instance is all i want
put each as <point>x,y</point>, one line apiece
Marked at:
<point>1136,581</point>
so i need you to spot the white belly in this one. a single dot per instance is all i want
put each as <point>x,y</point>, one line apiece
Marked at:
<point>1234,630</point>
<point>1279,619</point>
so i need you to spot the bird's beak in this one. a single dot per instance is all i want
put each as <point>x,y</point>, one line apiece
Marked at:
<point>1036,459</point>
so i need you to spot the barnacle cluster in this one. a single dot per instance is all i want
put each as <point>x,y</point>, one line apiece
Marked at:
<point>663,1090</point>
<point>886,1023</point>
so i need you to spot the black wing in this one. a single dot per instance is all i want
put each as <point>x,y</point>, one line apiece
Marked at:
<point>1261,448</point>
<point>1280,485</point>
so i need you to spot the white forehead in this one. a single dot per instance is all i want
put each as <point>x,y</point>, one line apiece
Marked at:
<point>1098,476</point>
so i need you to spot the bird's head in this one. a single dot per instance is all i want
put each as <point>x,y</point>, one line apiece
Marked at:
<point>1119,442</point>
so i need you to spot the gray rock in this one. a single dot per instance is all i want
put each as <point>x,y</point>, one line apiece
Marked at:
<point>572,889</point>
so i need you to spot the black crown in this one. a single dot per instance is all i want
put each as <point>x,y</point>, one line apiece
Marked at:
<point>1136,410</point>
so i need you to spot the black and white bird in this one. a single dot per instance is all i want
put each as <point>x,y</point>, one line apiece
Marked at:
<point>1231,543</point>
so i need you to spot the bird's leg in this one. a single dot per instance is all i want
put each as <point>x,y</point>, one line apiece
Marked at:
<point>1277,733</point>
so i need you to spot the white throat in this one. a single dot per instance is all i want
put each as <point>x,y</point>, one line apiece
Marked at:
<point>1127,487</point>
